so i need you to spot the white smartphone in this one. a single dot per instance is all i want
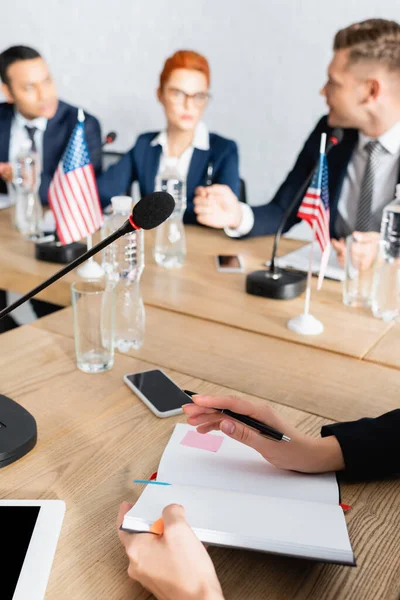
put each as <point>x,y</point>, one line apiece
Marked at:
<point>159,393</point>
<point>229,263</point>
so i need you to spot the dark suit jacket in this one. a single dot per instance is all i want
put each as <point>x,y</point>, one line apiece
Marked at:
<point>267,217</point>
<point>371,447</point>
<point>142,161</point>
<point>55,140</point>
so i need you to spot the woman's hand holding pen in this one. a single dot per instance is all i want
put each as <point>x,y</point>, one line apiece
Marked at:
<point>217,206</point>
<point>304,453</point>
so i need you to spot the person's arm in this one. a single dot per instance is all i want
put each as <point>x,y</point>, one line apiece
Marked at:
<point>303,453</point>
<point>218,207</point>
<point>117,180</point>
<point>174,565</point>
<point>370,447</point>
<point>6,172</point>
<point>267,217</point>
<point>364,449</point>
<point>93,140</point>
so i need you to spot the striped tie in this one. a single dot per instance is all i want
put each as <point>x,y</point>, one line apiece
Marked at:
<point>364,211</point>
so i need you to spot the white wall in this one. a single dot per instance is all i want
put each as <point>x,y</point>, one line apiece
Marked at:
<point>268,60</point>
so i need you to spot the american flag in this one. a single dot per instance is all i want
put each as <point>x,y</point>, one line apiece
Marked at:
<point>73,195</point>
<point>315,210</point>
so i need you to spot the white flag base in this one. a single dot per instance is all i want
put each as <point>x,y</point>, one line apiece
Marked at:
<point>305,325</point>
<point>90,270</point>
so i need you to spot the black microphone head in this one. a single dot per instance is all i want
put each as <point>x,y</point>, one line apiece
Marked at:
<point>111,137</point>
<point>335,138</point>
<point>152,210</point>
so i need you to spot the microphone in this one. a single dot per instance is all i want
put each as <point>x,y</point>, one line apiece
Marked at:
<point>109,139</point>
<point>149,212</point>
<point>284,284</point>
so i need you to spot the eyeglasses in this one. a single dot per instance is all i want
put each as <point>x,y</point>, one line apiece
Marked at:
<point>180,97</point>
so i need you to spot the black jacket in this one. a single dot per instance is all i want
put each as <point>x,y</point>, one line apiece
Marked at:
<point>268,216</point>
<point>55,140</point>
<point>371,447</point>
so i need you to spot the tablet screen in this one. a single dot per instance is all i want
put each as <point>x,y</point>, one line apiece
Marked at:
<point>16,526</point>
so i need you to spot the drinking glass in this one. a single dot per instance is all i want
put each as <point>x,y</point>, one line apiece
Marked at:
<point>93,303</point>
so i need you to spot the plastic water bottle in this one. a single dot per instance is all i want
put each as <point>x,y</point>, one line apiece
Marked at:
<point>386,282</point>
<point>28,213</point>
<point>123,263</point>
<point>170,243</point>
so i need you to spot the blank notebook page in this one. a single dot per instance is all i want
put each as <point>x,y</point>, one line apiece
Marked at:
<point>237,467</point>
<point>264,523</point>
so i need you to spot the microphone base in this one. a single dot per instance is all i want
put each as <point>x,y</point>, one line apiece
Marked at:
<point>18,431</point>
<point>283,285</point>
<point>52,252</point>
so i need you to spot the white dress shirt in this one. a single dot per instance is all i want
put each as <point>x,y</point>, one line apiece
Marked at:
<point>19,135</point>
<point>201,141</point>
<point>384,184</point>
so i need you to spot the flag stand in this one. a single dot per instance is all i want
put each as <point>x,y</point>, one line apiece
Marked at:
<point>90,269</point>
<point>307,324</point>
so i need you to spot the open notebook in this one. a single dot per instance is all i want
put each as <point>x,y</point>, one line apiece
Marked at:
<point>233,497</point>
<point>300,260</point>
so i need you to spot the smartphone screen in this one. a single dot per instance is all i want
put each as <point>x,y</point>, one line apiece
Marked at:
<point>163,393</point>
<point>229,261</point>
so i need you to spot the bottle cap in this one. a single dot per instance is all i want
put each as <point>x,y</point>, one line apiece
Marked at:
<point>121,203</point>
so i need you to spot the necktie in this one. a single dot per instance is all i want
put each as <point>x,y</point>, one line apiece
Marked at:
<point>364,211</point>
<point>31,133</point>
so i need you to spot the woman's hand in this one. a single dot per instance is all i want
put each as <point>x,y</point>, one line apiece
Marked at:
<point>174,565</point>
<point>303,453</point>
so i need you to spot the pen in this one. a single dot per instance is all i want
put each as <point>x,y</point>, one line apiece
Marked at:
<point>263,429</point>
<point>209,174</point>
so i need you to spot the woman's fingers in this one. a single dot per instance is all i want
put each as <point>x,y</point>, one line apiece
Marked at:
<point>201,419</point>
<point>208,427</point>
<point>193,410</point>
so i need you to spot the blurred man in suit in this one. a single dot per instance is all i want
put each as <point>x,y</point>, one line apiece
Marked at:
<point>33,112</point>
<point>363,97</point>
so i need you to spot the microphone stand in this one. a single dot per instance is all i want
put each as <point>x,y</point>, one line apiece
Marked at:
<point>285,284</point>
<point>17,426</point>
<point>280,284</point>
<point>18,430</point>
<point>125,228</point>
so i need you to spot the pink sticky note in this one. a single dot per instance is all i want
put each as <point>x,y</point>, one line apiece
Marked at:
<point>203,441</point>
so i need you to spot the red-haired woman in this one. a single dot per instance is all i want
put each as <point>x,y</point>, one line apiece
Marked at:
<point>202,157</point>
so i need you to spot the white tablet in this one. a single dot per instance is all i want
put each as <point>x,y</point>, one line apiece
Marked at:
<point>29,535</point>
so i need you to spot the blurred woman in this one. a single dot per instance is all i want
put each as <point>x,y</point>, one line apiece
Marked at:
<point>202,158</point>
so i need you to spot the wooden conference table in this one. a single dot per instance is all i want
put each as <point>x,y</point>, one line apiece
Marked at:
<point>95,437</point>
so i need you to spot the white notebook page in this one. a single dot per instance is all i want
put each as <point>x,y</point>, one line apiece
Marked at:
<point>271,524</point>
<point>239,468</point>
<point>299,259</point>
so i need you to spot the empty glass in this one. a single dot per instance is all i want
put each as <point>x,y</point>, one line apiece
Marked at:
<point>359,269</point>
<point>93,303</point>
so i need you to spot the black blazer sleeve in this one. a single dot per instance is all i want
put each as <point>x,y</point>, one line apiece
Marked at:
<point>118,178</point>
<point>93,139</point>
<point>228,169</point>
<point>371,447</point>
<point>268,216</point>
